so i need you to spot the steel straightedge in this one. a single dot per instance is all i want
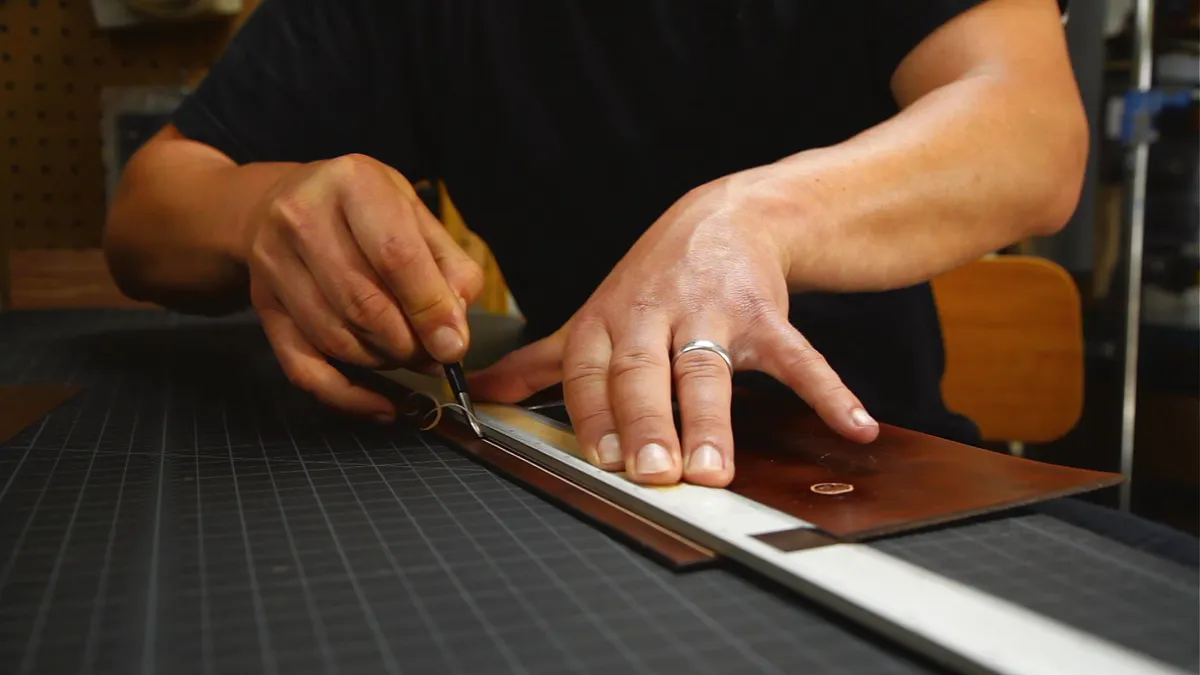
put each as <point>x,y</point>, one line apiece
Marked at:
<point>963,628</point>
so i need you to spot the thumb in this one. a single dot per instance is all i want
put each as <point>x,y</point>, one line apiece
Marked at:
<point>788,356</point>
<point>522,373</point>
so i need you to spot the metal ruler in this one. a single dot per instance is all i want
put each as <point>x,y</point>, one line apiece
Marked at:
<point>965,629</point>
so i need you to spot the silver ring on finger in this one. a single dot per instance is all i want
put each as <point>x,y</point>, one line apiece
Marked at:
<point>706,346</point>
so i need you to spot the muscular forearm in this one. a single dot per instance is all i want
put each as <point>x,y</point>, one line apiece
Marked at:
<point>968,170</point>
<point>174,234</point>
<point>990,148</point>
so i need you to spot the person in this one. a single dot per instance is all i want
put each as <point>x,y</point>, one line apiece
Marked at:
<point>775,182</point>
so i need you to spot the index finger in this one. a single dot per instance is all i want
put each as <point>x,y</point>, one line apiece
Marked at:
<point>385,223</point>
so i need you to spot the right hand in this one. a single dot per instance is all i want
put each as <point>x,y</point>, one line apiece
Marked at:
<point>346,262</point>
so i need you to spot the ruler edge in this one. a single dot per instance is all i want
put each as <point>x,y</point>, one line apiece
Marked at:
<point>756,555</point>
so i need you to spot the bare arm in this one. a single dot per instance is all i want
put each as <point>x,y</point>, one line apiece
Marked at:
<point>989,148</point>
<point>175,234</point>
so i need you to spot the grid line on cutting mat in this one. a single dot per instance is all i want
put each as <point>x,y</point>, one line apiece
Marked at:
<point>463,570</point>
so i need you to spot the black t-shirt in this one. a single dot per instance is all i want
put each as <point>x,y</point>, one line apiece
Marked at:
<point>564,129</point>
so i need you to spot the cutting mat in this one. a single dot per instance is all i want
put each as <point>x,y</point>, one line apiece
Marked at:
<point>190,512</point>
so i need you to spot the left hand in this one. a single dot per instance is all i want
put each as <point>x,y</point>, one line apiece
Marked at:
<point>706,270</point>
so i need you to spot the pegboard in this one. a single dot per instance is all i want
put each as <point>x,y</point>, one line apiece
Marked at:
<point>54,62</point>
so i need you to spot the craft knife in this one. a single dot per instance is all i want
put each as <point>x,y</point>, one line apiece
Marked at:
<point>458,385</point>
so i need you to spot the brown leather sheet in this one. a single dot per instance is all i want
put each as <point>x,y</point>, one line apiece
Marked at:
<point>901,481</point>
<point>23,405</point>
<point>789,460</point>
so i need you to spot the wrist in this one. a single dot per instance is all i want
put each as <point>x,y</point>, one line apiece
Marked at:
<point>788,210</point>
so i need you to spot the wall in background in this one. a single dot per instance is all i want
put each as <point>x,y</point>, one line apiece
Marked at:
<point>54,64</point>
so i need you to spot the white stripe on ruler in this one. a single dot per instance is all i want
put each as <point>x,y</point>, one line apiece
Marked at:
<point>962,627</point>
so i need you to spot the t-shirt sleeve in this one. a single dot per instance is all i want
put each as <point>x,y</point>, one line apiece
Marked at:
<point>304,80</point>
<point>900,25</point>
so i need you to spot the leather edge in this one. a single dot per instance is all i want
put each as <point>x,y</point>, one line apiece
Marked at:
<point>658,543</point>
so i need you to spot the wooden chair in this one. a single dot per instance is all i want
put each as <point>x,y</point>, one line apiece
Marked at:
<point>1013,331</point>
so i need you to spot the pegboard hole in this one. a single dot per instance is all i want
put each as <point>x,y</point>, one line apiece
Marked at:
<point>43,142</point>
<point>39,86</point>
<point>45,169</point>
<point>5,57</point>
<point>73,142</point>
<point>66,32</point>
<point>37,58</point>
<point>11,114</point>
<point>16,168</point>
<point>74,169</point>
<point>68,60</point>
<point>12,141</point>
<point>35,30</point>
<point>47,197</point>
<point>78,223</point>
<point>97,61</point>
<point>19,223</point>
<point>10,85</point>
<point>17,196</point>
<point>41,114</point>
<point>71,115</point>
<point>69,87</point>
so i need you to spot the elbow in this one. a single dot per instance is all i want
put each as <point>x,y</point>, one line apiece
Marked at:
<point>1057,180</point>
<point>120,246</point>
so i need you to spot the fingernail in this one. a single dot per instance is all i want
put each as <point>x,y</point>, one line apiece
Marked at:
<point>445,341</point>
<point>861,418</point>
<point>705,459</point>
<point>653,459</point>
<point>609,449</point>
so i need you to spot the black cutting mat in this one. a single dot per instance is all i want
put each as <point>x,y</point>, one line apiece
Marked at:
<point>189,512</point>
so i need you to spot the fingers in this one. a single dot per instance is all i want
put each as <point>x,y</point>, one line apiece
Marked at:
<point>640,394</point>
<point>789,358</point>
<point>296,292</point>
<point>386,225</point>
<point>522,373</point>
<point>704,389</point>
<point>462,273</point>
<point>308,370</point>
<point>585,391</point>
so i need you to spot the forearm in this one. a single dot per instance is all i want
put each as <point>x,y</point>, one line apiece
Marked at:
<point>971,168</point>
<point>175,232</point>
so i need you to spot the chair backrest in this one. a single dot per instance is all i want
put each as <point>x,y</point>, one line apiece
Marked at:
<point>1013,331</point>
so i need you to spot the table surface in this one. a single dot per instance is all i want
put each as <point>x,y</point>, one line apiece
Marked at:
<point>190,512</point>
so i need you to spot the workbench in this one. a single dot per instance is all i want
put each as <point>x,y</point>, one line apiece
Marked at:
<point>188,511</point>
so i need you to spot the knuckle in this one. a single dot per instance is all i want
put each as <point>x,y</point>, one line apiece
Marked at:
<point>338,343</point>
<point>700,366</point>
<point>301,378</point>
<point>397,253</point>
<point>348,168</point>
<point>707,420</point>
<point>645,416</point>
<point>804,358</point>
<point>427,311</point>
<point>634,361</point>
<point>292,214</point>
<point>583,372</point>
<point>364,306</point>
<point>471,279</point>
<point>594,417</point>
